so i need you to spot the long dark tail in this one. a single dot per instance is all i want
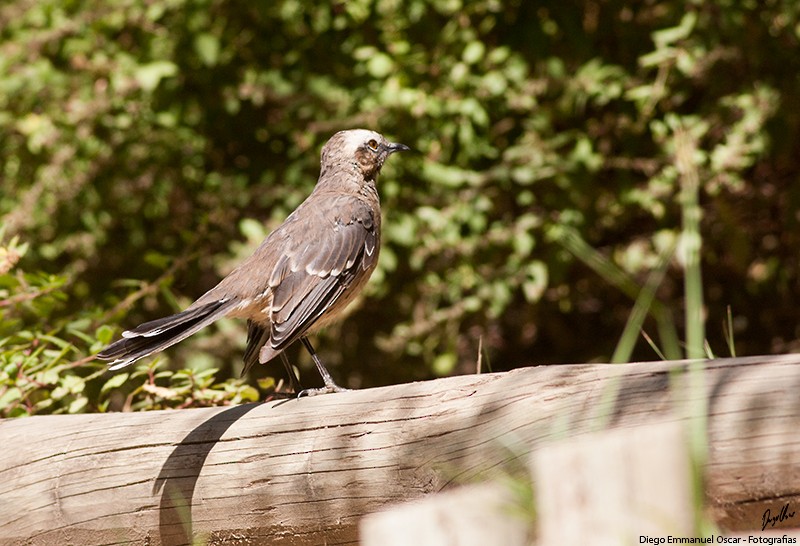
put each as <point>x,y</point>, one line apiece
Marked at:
<point>156,335</point>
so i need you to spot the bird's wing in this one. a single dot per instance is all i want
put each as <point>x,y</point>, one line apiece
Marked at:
<point>324,255</point>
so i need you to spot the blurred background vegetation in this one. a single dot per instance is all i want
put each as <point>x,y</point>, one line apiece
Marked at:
<point>147,146</point>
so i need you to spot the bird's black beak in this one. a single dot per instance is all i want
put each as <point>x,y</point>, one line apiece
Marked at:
<point>393,147</point>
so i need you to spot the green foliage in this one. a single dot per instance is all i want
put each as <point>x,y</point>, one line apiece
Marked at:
<point>43,367</point>
<point>143,144</point>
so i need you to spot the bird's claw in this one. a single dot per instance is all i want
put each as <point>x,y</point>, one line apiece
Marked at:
<point>327,389</point>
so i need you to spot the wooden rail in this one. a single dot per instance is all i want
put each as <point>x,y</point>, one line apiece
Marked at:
<point>306,471</point>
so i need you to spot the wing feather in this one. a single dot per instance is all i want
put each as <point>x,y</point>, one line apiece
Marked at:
<point>257,336</point>
<point>322,272</point>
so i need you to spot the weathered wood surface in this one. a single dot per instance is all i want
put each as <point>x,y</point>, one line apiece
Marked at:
<point>471,515</point>
<point>305,471</point>
<point>614,486</point>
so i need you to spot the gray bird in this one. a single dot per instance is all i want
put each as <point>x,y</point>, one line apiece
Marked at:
<point>301,276</point>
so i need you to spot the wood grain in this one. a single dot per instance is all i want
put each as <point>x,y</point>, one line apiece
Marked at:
<point>305,471</point>
<point>614,486</point>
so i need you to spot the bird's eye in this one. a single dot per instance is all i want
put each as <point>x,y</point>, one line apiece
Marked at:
<point>373,145</point>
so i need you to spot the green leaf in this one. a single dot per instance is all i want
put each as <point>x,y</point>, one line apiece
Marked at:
<point>148,76</point>
<point>157,259</point>
<point>380,65</point>
<point>47,377</point>
<point>668,36</point>
<point>252,229</point>
<point>104,334</point>
<point>249,394</point>
<point>115,382</point>
<point>78,405</point>
<point>444,364</point>
<point>473,52</point>
<point>207,47</point>
<point>536,281</point>
<point>73,383</point>
<point>266,383</point>
<point>11,395</point>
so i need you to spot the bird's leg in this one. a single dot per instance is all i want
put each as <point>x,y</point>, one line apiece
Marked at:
<point>293,380</point>
<point>330,385</point>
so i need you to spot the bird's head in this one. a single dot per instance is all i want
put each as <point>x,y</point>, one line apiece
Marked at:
<point>360,148</point>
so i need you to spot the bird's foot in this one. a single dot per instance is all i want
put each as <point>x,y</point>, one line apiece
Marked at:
<point>327,389</point>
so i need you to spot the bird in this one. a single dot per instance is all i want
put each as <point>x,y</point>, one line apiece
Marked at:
<point>303,274</point>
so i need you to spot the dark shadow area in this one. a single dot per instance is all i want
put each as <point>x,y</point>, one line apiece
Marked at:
<point>723,379</point>
<point>178,477</point>
<point>640,391</point>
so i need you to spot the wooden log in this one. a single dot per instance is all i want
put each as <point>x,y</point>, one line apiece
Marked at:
<point>305,471</point>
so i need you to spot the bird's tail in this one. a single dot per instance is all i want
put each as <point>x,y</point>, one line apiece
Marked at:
<point>156,335</point>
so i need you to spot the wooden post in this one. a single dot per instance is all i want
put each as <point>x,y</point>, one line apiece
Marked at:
<point>472,515</point>
<point>614,487</point>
